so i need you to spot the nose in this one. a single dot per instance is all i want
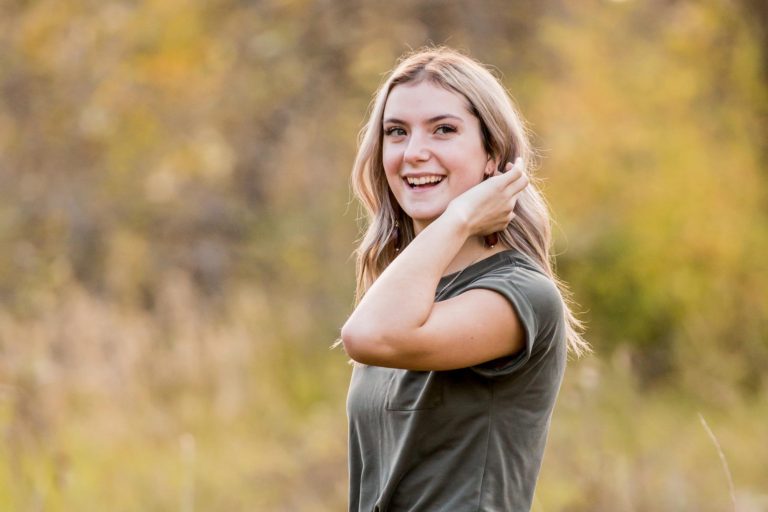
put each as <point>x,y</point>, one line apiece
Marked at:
<point>417,149</point>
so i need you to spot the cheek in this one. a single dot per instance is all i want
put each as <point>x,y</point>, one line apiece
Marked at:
<point>390,158</point>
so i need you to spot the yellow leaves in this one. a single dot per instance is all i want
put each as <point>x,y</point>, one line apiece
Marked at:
<point>369,59</point>
<point>42,28</point>
<point>649,128</point>
<point>204,157</point>
<point>170,47</point>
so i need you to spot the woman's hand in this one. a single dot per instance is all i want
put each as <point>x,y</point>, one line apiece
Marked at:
<point>489,206</point>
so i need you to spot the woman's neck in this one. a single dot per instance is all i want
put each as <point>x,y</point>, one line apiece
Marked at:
<point>473,250</point>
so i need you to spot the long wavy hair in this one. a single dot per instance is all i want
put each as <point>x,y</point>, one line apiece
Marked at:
<point>504,136</point>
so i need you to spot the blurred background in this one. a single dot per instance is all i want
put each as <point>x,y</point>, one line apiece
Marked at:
<point>177,232</point>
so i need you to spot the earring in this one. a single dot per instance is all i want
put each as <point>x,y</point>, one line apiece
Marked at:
<point>396,236</point>
<point>493,238</point>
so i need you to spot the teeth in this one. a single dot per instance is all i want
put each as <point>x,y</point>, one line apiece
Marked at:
<point>423,180</point>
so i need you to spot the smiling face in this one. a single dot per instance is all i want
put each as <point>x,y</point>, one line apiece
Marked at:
<point>432,149</point>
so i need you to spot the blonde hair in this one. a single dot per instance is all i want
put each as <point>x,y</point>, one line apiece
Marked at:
<point>505,138</point>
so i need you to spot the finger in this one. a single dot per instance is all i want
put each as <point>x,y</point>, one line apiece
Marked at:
<point>517,163</point>
<point>513,190</point>
<point>519,184</point>
<point>513,172</point>
<point>506,169</point>
<point>516,180</point>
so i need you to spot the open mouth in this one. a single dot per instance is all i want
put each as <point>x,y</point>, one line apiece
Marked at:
<point>423,181</point>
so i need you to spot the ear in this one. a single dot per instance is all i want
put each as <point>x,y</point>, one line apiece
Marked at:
<point>491,166</point>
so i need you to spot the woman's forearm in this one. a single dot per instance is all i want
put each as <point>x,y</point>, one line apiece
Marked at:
<point>401,299</point>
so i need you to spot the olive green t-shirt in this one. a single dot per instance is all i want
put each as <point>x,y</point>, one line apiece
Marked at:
<point>470,439</point>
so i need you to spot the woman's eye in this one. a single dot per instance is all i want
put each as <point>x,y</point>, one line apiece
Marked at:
<point>444,129</point>
<point>395,130</point>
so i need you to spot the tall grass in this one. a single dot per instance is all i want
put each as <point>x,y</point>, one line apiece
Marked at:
<point>192,406</point>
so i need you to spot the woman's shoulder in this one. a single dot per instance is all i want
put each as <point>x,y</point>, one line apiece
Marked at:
<point>514,270</point>
<point>515,266</point>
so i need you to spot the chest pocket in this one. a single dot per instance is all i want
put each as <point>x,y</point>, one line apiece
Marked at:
<point>413,391</point>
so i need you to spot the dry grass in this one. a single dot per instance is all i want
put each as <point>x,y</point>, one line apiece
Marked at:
<point>107,406</point>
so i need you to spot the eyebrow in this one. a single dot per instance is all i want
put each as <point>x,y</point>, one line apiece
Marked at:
<point>429,121</point>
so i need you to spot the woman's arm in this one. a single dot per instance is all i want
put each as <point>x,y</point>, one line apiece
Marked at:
<point>398,324</point>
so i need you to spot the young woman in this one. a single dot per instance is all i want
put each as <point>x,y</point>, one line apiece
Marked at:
<point>460,331</point>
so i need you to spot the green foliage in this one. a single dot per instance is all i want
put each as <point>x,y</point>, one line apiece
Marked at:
<point>658,183</point>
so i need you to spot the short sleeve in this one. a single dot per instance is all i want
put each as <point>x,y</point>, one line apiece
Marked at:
<point>538,306</point>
